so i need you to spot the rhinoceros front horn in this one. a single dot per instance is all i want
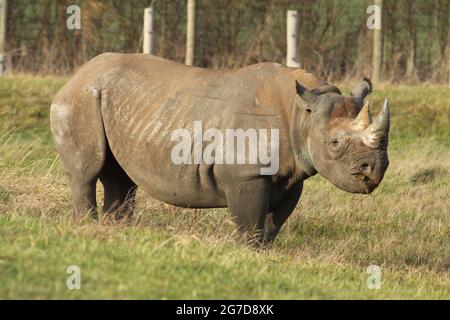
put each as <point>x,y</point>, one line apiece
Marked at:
<point>379,128</point>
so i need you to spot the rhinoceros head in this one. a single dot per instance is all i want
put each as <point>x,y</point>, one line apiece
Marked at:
<point>345,145</point>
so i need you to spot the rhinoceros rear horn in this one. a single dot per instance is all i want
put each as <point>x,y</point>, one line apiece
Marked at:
<point>363,119</point>
<point>313,101</point>
<point>379,129</point>
<point>359,92</point>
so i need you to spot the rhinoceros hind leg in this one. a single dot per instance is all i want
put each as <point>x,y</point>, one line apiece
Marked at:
<point>84,198</point>
<point>248,202</point>
<point>81,146</point>
<point>120,190</point>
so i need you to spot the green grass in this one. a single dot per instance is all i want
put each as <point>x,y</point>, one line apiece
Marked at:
<point>166,252</point>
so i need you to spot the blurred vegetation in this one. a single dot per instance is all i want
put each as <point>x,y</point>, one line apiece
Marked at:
<point>417,111</point>
<point>334,39</point>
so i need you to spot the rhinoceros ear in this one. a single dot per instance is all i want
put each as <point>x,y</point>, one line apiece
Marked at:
<point>359,92</point>
<point>311,101</point>
<point>326,89</point>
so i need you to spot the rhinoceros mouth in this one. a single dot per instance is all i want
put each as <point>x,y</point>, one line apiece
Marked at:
<point>367,185</point>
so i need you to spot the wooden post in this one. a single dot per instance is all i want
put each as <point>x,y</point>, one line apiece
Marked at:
<point>292,59</point>
<point>448,57</point>
<point>3,9</point>
<point>148,31</point>
<point>377,54</point>
<point>190,33</point>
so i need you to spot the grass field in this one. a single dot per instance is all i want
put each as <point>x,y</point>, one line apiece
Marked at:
<point>166,252</point>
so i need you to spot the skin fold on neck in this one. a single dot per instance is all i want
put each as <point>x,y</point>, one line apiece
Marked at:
<point>299,125</point>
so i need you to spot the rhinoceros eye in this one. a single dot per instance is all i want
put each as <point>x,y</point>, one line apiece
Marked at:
<point>335,144</point>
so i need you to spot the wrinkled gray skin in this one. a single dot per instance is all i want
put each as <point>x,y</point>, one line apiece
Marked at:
<point>114,119</point>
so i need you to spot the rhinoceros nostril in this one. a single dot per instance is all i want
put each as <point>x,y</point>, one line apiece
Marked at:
<point>366,169</point>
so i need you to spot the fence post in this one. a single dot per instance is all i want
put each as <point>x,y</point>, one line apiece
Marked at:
<point>377,54</point>
<point>148,31</point>
<point>448,56</point>
<point>3,9</point>
<point>292,59</point>
<point>190,32</point>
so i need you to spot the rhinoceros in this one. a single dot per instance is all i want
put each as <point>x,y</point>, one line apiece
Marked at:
<point>115,121</point>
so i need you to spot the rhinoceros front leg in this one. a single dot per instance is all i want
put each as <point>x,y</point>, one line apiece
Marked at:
<point>248,202</point>
<point>280,211</point>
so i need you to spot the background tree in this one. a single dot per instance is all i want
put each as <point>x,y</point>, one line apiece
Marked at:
<point>334,40</point>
